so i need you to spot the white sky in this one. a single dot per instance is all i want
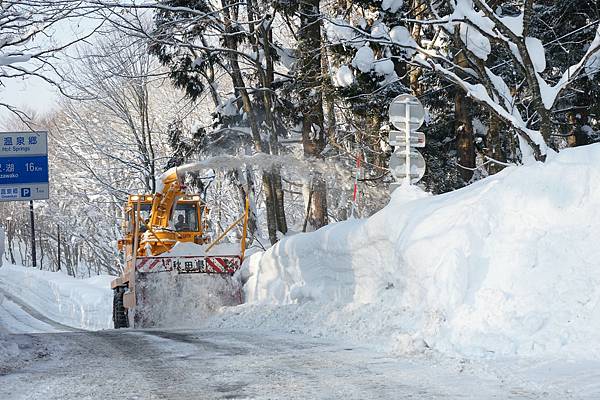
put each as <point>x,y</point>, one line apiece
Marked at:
<point>33,93</point>
<point>28,94</point>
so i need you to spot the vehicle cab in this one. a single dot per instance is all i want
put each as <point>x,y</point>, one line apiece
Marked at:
<point>187,223</point>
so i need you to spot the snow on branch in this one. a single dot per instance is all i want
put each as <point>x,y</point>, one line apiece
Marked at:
<point>480,94</point>
<point>27,45</point>
<point>463,44</point>
<point>551,93</point>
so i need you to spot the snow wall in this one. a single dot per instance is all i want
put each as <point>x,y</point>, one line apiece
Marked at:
<point>80,303</point>
<point>507,266</point>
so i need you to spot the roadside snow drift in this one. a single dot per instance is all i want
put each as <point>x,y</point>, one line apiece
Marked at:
<point>509,265</point>
<point>79,303</point>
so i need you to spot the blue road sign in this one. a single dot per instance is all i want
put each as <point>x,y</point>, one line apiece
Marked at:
<point>23,166</point>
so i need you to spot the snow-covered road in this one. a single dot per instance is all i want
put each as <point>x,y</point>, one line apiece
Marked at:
<point>55,361</point>
<point>159,364</point>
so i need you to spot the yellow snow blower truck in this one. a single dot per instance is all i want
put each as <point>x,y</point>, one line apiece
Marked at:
<point>172,268</point>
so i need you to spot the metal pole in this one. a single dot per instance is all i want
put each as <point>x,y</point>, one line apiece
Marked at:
<point>41,252</point>
<point>245,228</point>
<point>58,241</point>
<point>33,256</point>
<point>407,146</point>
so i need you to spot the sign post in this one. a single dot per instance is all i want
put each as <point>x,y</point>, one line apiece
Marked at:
<point>24,171</point>
<point>32,219</point>
<point>406,113</point>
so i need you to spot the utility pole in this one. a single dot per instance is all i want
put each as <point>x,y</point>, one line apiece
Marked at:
<point>33,256</point>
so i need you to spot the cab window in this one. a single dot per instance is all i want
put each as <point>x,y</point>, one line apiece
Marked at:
<point>185,217</point>
<point>145,209</point>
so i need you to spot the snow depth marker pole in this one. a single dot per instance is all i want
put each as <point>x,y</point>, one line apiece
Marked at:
<point>355,194</point>
<point>245,228</point>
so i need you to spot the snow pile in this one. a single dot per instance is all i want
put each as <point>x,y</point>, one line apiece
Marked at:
<point>2,244</point>
<point>508,266</point>
<point>8,348</point>
<point>80,303</point>
<point>185,249</point>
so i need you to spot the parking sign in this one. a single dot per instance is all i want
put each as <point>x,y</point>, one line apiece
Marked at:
<point>23,166</point>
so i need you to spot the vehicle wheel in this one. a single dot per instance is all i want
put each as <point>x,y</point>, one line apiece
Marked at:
<point>119,312</point>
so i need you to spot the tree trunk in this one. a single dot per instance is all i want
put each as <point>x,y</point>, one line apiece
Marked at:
<point>267,82</point>
<point>270,206</point>
<point>494,146</point>
<point>577,119</point>
<point>240,87</point>
<point>311,103</point>
<point>252,218</point>
<point>329,98</point>
<point>374,122</point>
<point>418,10</point>
<point>465,145</point>
<point>10,238</point>
<point>464,136</point>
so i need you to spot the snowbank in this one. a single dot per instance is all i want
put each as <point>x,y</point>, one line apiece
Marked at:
<point>8,348</point>
<point>509,265</point>
<point>2,244</point>
<point>80,303</point>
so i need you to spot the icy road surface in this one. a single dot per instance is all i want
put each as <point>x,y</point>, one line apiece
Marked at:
<point>178,365</point>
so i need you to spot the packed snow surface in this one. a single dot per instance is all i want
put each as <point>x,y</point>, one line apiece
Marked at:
<point>506,266</point>
<point>80,303</point>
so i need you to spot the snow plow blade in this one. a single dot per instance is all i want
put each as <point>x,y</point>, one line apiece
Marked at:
<point>181,291</point>
<point>189,264</point>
